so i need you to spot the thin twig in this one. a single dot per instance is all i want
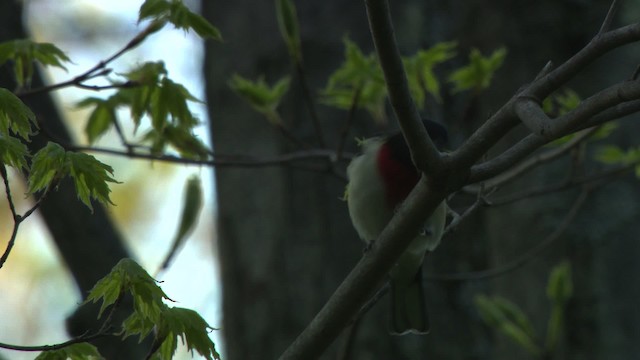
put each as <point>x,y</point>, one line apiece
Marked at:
<point>17,218</point>
<point>124,85</point>
<point>347,126</point>
<point>78,340</point>
<point>479,203</point>
<point>222,160</point>
<point>370,303</point>
<point>536,160</point>
<point>97,70</point>
<point>290,136</point>
<point>526,257</point>
<point>608,20</point>
<point>345,352</point>
<point>566,185</point>
<point>308,99</point>
<point>14,214</point>
<point>123,138</point>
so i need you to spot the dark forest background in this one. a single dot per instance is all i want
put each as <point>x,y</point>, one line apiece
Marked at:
<point>285,240</point>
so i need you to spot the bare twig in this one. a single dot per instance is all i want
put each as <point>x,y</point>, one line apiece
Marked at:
<point>347,126</point>
<point>78,340</point>
<point>308,99</point>
<point>526,257</point>
<point>457,220</point>
<point>17,218</point>
<point>608,20</point>
<point>124,85</point>
<point>223,160</point>
<point>290,136</point>
<point>100,69</point>
<point>566,185</point>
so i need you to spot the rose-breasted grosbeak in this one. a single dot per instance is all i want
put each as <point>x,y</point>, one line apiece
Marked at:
<point>379,181</point>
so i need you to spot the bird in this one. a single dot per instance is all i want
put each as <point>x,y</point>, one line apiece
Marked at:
<point>379,180</point>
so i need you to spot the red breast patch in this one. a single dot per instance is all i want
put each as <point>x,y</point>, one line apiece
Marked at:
<point>399,178</point>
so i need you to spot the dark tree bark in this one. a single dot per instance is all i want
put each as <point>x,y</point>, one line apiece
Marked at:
<point>285,242</point>
<point>88,243</point>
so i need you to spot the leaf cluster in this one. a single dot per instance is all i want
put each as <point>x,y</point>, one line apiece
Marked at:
<point>155,97</point>
<point>16,121</point>
<point>359,80</point>
<point>262,97</point>
<point>175,12</point>
<point>90,176</point>
<point>615,155</point>
<point>151,314</point>
<point>510,320</point>
<point>24,53</point>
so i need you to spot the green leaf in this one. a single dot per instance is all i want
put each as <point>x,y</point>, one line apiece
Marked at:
<point>561,102</point>
<point>90,178</point>
<point>555,328</point>
<point>191,207</point>
<point>180,16</point>
<point>80,351</point>
<point>477,75</point>
<point>559,291</point>
<point>15,116</point>
<point>191,328</point>
<point>108,289</point>
<point>163,100</point>
<point>25,52</point>
<point>420,70</point>
<point>560,285</point>
<point>49,54</point>
<point>260,96</point>
<point>289,27</point>
<point>614,155</point>
<point>174,98</point>
<point>13,152</point>
<point>358,80</point>
<point>515,315</point>
<point>101,119</point>
<point>153,9</point>
<point>186,143</point>
<point>128,276</point>
<point>509,319</point>
<point>203,28</point>
<point>47,165</point>
<point>89,175</point>
<point>138,325</point>
<point>148,73</point>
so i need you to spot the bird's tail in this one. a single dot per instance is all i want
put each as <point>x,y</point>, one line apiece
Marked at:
<point>408,309</point>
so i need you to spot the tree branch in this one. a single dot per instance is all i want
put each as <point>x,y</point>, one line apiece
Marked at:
<point>535,161</point>
<point>367,275</point>
<point>505,118</point>
<point>424,153</point>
